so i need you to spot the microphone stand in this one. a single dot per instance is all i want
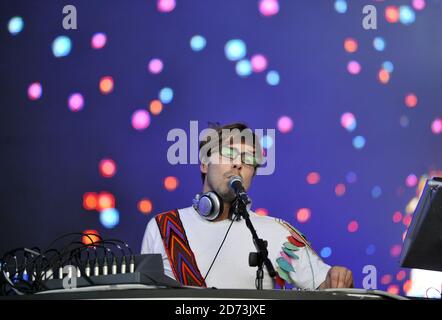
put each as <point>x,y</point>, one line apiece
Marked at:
<point>259,258</point>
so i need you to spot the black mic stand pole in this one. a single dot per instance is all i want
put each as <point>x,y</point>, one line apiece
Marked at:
<point>256,259</point>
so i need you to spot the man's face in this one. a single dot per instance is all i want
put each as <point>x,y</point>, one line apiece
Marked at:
<point>221,168</point>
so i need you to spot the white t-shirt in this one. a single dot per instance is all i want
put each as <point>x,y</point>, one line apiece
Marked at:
<point>231,269</point>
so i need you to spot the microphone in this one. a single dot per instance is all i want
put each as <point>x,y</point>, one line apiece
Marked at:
<point>235,184</point>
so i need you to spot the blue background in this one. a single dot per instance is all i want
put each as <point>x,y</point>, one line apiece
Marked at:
<point>50,155</point>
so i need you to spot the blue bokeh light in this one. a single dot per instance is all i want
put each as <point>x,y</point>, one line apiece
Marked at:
<point>198,43</point>
<point>326,252</point>
<point>15,25</point>
<point>341,6</point>
<point>61,46</point>
<point>359,142</point>
<point>109,217</point>
<point>244,68</point>
<point>166,95</point>
<point>273,78</point>
<point>235,49</point>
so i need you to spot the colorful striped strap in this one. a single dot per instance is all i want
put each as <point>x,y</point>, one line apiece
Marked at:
<point>180,255</point>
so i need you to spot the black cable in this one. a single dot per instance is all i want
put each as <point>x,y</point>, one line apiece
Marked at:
<point>219,249</point>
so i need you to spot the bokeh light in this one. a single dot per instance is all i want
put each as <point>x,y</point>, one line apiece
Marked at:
<point>243,68</point>
<point>106,85</point>
<point>107,168</point>
<point>273,78</point>
<point>388,66</point>
<point>341,6</point>
<point>262,212</point>
<point>358,142</point>
<point>259,63</point>
<point>35,91</point>
<point>303,215</point>
<point>98,40</point>
<point>166,6</point>
<point>348,121</point>
<point>397,217</point>
<point>109,218</point>
<point>411,100</point>
<point>90,201</point>
<point>351,177</point>
<point>313,178</point>
<point>404,121</point>
<point>353,226</point>
<point>418,4</point>
<point>145,206</point>
<point>376,192</point>
<point>155,66</point>
<point>166,95</point>
<point>140,119</point>
<point>395,250</point>
<point>386,279</point>
<point>75,102</point>
<point>411,181</point>
<point>383,76</point>
<point>235,49</point>
<point>106,200</point>
<point>406,15</point>
<point>285,124</point>
<point>379,43</point>
<point>393,289</point>
<point>268,7</point>
<point>90,236</point>
<point>436,126</point>
<point>155,107</point>
<point>266,142</point>
<point>350,45</point>
<point>171,183</point>
<point>326,252</point>
<point>198,43</point>
<point>401,275</point>
<point>61,46</point>
<point>353,67</point>
<point>15,25</point>
<point>340,189</point>
<point>392,14</point>
<point>407,220</point>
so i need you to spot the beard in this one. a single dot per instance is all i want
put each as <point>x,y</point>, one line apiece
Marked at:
<point>222,189</point>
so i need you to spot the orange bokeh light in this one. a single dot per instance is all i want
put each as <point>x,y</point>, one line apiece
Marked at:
<point>107,168</point>
<point>392,14</point>
<point>92,236</point>
<point>303,215</point>
<point>145,206</point>
<point>106,200</point>
<point>262,212</point>
<point>156,107</point>
<point>350,45</point>
<point>411,100</point>
<point>171,183</point>
<point>106,85</point>
<point>90,200</point>
<point>384,76</point>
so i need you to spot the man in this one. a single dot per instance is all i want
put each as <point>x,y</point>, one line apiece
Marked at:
<point>208,245</point>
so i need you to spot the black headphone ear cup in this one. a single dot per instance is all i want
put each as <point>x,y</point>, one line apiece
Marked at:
<point>209,205</point>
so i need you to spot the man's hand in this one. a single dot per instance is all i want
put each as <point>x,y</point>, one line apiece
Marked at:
<point>338,277</point>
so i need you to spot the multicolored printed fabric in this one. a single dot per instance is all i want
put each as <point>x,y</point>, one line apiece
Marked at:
<point>296,240</point>
<point>179,253</point>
